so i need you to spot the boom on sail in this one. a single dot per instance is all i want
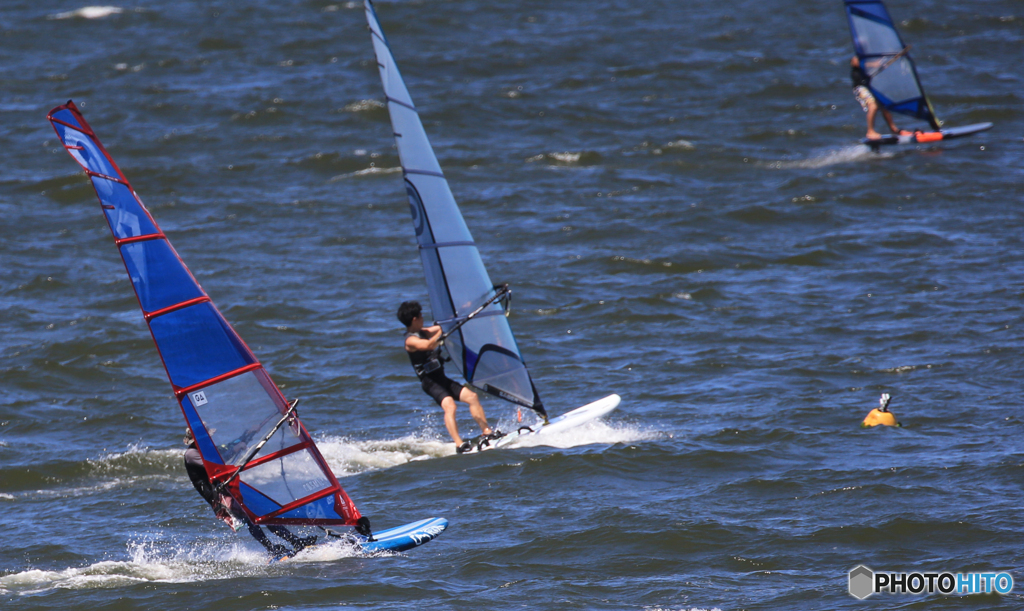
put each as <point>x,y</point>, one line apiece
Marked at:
<point>227,397</point>
<point>465,302</point>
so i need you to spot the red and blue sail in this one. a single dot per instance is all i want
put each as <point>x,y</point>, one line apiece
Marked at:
<point>227,397</point>
<point>886,61</point>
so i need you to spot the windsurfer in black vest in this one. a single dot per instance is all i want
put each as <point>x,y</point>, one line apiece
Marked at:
<point>868,102</point>
<point>421,345</point>
<point>226,509</point>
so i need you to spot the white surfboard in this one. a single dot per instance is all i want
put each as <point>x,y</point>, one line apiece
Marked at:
<point>568,420</point>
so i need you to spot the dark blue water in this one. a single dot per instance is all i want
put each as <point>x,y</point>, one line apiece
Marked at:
<point>674,192</point>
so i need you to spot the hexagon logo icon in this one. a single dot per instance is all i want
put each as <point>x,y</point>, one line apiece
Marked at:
<point>861,581</point>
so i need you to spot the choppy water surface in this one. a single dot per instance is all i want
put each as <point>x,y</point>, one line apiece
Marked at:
<point>674,192</point>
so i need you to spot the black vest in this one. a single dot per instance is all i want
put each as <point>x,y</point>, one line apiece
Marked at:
<point>859,77</point>
<point>424,362</point>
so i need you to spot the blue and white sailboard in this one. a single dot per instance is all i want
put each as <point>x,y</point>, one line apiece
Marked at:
<point>894,82</point>
<point>463,299</point>
<point>226,395</point>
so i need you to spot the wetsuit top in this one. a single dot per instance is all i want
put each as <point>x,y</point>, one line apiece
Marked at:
<point>424,362</point>
<point>197,473</point>
<point>859,77</point>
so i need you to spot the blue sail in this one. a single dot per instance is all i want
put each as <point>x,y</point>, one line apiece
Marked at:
<point>482,348</point>
<point>227,397</point>
<point>886,61</point>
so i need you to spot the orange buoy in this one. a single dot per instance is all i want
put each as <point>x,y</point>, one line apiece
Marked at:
<point>881,415</point>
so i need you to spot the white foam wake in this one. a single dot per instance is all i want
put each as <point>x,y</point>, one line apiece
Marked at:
<point>149,562</point>
<point>371,171</point>
<point>89,12</point>
<point>348,457</point>
<point>848,154</point>
<point>165,562</point>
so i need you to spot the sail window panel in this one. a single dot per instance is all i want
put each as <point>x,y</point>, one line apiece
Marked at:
<point>468,283</point>
<point>491,330</point>
<point>127,218</point>
<point>160,278</point>
<point>494,360</point>
<point>67,116</point>
<point>90,155</point>
<point>873,38</point>
<point>442,213</point>
<point>897,82</point>
<point>237,413</point>
<point>197,344</point>
<point>322,509</point>
<point>288,478</point>
<point>514,382</point>
<point>413,144</point>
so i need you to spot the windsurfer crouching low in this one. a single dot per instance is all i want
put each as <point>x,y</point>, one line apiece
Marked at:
<point>225,508</point>
<point>421,345</point>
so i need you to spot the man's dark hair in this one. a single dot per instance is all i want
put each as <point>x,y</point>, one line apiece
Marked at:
<point>408,311</point>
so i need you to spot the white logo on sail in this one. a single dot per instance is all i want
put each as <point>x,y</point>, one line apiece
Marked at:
<point>199,398</point>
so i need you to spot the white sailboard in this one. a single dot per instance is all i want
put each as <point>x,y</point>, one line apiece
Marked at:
<point>560,424</point>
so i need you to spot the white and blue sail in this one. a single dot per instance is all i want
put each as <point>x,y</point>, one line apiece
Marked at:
<point>887,62</point>
<point>464,301</point>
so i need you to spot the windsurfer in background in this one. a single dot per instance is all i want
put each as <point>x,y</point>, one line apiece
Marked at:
<point>225,507</point>
<point>421,344</point>
<point>867,101</point>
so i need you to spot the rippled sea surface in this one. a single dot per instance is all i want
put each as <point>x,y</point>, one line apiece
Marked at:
<point>675,192</point>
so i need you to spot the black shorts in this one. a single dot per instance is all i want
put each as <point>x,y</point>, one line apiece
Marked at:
<point>440,386</point>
